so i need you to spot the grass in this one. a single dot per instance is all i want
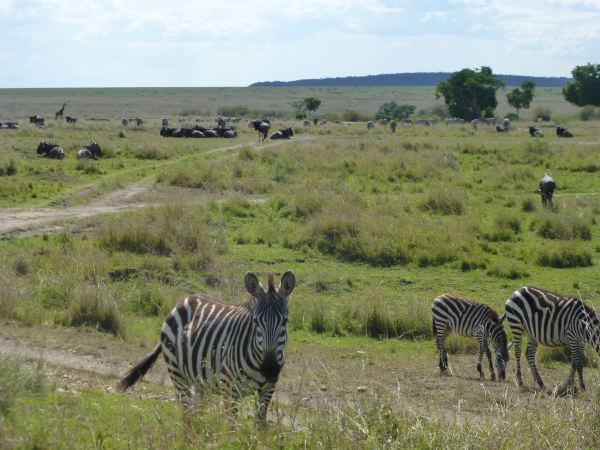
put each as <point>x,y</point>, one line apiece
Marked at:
<point>374,226</point>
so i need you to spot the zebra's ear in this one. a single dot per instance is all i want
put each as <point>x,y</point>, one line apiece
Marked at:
<point>253,286</point>
<point>501,318</point>
<point>288,282</point>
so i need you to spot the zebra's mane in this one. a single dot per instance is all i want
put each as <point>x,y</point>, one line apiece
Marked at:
<point>491,313</point>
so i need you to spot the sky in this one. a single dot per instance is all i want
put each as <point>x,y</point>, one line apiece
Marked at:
<point>81,43</point>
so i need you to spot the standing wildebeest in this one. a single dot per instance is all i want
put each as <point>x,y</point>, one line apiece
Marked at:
<point>535,132</point>
<point>547,186</point>
<point>563,132</point>
<point>50,151</point>
<point>90,151</point>
<point>466,317</point>
<point>306,123</point>
<point>553,320</point>
<point>125,122</point>
<point>208,344</point>
<point>262,126</point>
<point>393,126</point>
<point>139,122</point>
<point>71,119</point>
<point>506,124</point>
<point>221,122</point>
<point>60,112</point>
<point>283,134</point>
<point>370,124</point>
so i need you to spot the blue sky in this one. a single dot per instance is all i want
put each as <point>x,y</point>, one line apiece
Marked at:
<point>72,43</point>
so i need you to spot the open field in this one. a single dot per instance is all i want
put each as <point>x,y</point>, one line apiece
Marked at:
<point>374,225</point>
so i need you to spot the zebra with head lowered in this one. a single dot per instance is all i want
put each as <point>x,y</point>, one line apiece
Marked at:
<point>210,344</point>
<point>466,317</point>
<point>553,320</point>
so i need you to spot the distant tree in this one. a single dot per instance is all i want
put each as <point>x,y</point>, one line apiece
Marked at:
<point>585,87</point>
<point>299,109</point>
<point>392,110</point>
<point>470,92</point>
<point>521,97</point>
<point>312,103</point>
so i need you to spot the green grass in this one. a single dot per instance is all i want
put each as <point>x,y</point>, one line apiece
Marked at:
<point>374,226</point>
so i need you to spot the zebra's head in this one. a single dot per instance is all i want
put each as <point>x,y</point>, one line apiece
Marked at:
<point>501,346</point>
<point>591,324</point>
<point>269,310</point>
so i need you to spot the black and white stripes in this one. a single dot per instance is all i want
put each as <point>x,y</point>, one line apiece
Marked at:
<point>470,318</point>
<point>552,320</point>
<point>209,344</point>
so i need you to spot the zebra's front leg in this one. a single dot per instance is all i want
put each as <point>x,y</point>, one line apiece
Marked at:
<point>577,364</point>
<point>489,357</point>
<point>264,398</point>
<point>443,362</point>
<point>530,355</point>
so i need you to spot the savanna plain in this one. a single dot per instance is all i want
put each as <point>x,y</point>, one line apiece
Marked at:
<point>374,224</point>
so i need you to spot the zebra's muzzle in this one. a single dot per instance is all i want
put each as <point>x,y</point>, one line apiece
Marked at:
<point>270,368</point>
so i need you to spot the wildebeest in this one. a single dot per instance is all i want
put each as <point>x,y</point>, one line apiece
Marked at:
<point>547,186</point>
<point>315,121</point>
<point>306,123</point>
<point>506,124</point>
<point>71,119</point>
<point>139,122</point>
<point>393,126</point>
<point>50,150</point>
<point>425,122</point>
<point>370,124</point>
<point>90,151</point>
<point>170,132</point>
<point>37,120</point>
<point>124,122</point>
<point>535,132</point>
<point>499,129</point>
<point>283,134</point>
<point>165,122</point>
<point>229,133</point>
<point>383,122</point>
<point>9,125</point>
<point>221,122</point>
<point>262,126</point>
<point>563,132</point>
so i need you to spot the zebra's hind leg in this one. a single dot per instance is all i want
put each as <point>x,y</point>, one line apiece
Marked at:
<point>530,355</point>
<point>517,341</point>
<point>576,364</point>
<point>441,335</point>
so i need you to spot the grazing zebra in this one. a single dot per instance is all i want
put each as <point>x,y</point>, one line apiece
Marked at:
<point>209,344</point>
<point>547,186</point>
<point>553,320</point>
<point>470,318</point>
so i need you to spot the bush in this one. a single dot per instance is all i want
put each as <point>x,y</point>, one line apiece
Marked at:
<point>17,380</point>
<point>351,115</point>
<point>587,113</point>
<point>151,153</point>
<point>443,201</point>
<point>564,256</point>
<point>509,272</point>
<point>542,113</point>
<point>564,227</point>
<point>8,169</point>
<point>528,205</point>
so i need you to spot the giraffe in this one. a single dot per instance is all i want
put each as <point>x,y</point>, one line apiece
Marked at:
<point>60,112</point>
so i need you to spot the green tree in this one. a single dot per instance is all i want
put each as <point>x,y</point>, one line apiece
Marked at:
<point>468,93</point>
<point>585,87</point>
<point>312,103</point>
<point>521,98</point>
<point>392,110</point>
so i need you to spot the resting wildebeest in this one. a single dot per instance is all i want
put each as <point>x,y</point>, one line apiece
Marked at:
<point>535,132</point>
<point>563,132</point>
<point>50,151</point>
<point>37,120</point>
<point>170,132</point>
<point>547,186</point>
<point>262,126</point>
<point>71,119</point>
<point>283,134</point>
<point>90,151</point>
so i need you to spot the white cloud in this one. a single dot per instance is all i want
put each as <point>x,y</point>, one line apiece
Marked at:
<point>437,16</point>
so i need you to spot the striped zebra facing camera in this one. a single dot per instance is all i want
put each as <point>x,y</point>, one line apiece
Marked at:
<point>209,344</point>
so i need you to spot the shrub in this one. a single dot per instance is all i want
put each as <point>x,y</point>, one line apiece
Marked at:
<point>17,380</point>
<point>564,256</point>
<point>587,112</point>
<point>509,272</point>
<point>351,115</point>
<point>564,226</point>
<point>443,201</point>
<point>151,153</point>
<point>528,205</point>
<point>8,169</point>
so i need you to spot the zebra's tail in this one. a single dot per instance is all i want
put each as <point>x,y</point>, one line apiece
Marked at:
<point>138,371</point>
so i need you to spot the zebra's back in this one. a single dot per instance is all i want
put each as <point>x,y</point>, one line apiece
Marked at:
<point>545,316</point>
<point>461,315</point>
<point>200,338</point>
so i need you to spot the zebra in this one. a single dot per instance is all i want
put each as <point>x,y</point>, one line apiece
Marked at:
<point>470,318</point>
<point>553,320</point>
<point>209,344</point>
